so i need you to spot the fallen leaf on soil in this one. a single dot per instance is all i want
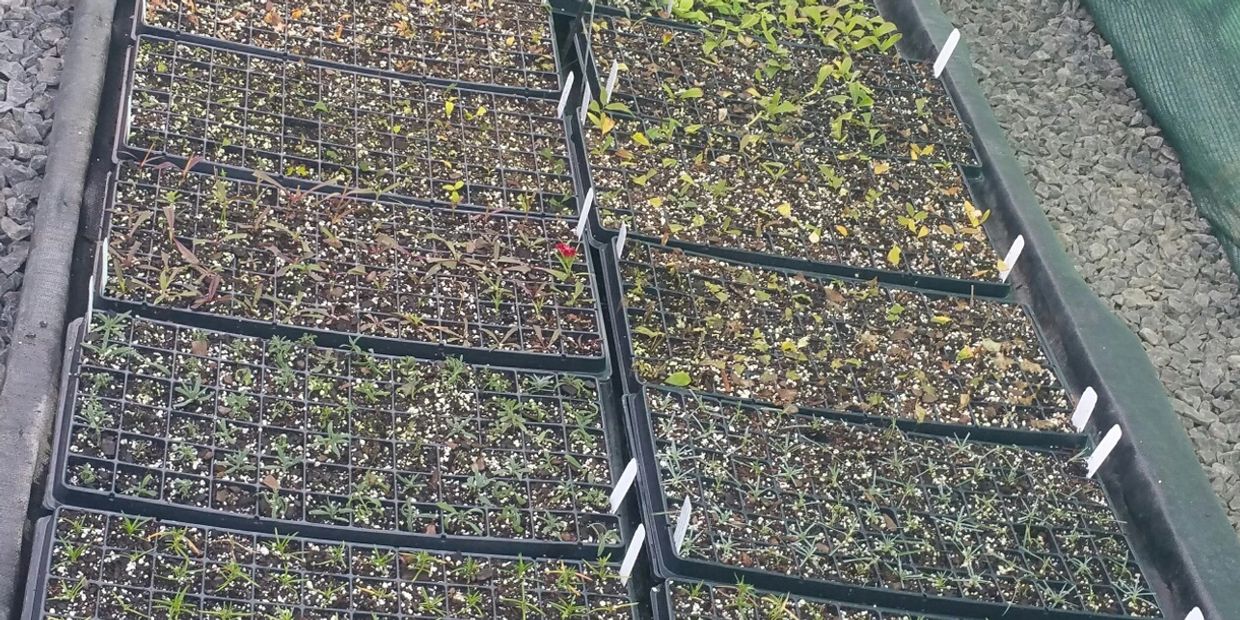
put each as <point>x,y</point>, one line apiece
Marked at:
<point>889,524</point>
<point>893,256</point>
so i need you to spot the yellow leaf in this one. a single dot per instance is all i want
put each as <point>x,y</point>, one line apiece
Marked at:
<point>970,212</point>
<point>945,229</point>
<point>843,230</point>
<point>784,209</point>
<point>448,107</point>
<point>641,139</point>
<point>881,167</point>
<point>656,202</point>
<point>917,151</point>
<point>814,237</point>
<point>606,124</point>
<point>923,232</point>
<point>893,256</point>
<point>941,320</point>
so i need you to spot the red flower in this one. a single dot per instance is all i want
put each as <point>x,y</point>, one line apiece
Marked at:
<point>565,250</point>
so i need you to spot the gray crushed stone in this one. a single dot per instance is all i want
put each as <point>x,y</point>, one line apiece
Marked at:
<point>33,34</point>
<point>1112,188</point>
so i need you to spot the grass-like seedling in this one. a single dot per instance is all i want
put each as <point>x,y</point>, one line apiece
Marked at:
<point>104,565</point>
<point>289,432</point>
<point>794,494</point>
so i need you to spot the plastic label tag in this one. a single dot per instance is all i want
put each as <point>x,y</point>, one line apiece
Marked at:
<point>682,525</point>
<point>1103,450</point>
<point>611,80</point>
<point>623,484</point>
<point>107,269</point>
<point>585,214</point>
<point>90,302</point>
<point>1009,261</point>
<point>630,555</point>
<point>620,239</point>
<point>586,97</point>
<point>1195,614</point>
<point>945,54</point>
<point>568,88</point>
<point>1084,409</point>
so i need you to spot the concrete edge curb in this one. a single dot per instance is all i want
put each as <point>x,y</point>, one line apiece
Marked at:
<point>1154,475</point>
<point>29,395</point>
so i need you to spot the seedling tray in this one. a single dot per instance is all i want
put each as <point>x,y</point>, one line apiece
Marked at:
<point>131,567</point>
<point>761,196</point>
<point>792,339</point>
<point>304,124</point>
<point>274,435</point>
<point>909,521</point>
<point>505,45</point>
<point>670,70</point>
<point>702,601</point>
<point>259,259</point>
<point>904,222</point>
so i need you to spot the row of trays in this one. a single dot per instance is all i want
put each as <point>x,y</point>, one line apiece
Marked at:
<point>348,355</point>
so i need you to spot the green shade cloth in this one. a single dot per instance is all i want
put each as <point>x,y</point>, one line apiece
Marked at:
<point>1183,58</point>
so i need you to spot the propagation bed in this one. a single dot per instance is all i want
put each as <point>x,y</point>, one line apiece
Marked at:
<point>346,352</point>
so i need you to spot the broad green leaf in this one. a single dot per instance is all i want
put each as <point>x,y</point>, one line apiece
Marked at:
<point>679,379</point>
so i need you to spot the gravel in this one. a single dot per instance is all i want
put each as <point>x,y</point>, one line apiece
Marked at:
<point>33,34</point>
<point>1113,189</point>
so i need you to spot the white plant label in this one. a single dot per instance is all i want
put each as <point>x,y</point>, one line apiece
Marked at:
<point>612,76</point>
<point>1108,443</point>
<point>945,54</point>
<point>623,484</point>
<point>107,270</point>
<point>670,4</point>
<point>90,302</point>
<point>1009,261</point>
<point>1084,409</point>
<point>1195,614</point>
<point>620,239</point>
<point>585,214</point>
<point>568,89</point>
<point>630,555</point>
<point>682,525</point>
<point>586,97</point>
